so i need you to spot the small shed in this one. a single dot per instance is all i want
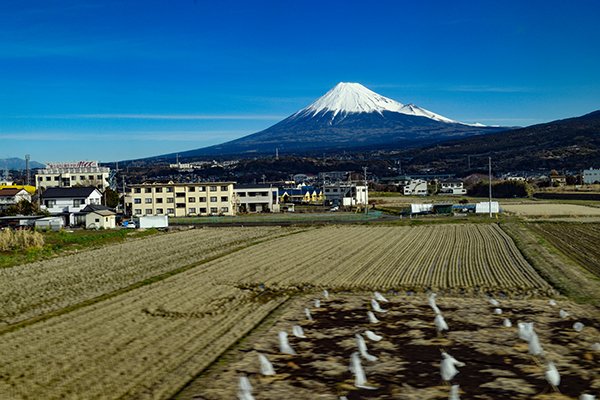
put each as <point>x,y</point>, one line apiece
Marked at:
<point>50,223</point>
<point>101,219</point>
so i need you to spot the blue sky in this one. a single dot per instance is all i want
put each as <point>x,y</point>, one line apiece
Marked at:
<point>112,80</point>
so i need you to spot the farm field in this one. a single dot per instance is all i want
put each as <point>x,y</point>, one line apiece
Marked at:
<point>34,289</point>
<point>550,209</point>
<point>407,365</point>
<point>578,241</point>
<point>150,341</point>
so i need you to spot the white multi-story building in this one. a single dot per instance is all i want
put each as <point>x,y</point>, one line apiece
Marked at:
<point>256,198</point>
<point>414,187</point>
<point>452,187</point>
<point>591,176</point>
<point>182,199</point>
<point>71,174</point>
<point>70,202</point>
<point>346,194</point>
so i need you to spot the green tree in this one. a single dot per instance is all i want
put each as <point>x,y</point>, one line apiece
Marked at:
<point>111,198</point>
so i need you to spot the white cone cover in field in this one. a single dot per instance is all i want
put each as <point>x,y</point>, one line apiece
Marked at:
<point>587,397</point>
<point>298,331</point>
<point>433,304</point>
<point>376,306</point>
<point>578,326</point>
<point>284,345</point>
<point>307,313</point>
<point>596,346</point>
<point>497,311</point>
<point>454,393</point>
<point>506,323</point>
<point>325,294</point>
<point>266,368</point>
<point>362,349</point>
<point>534,346</point>
<point>245,389</point>
<point>360,379</point>
<point>440,323</point>
<point>317,303</point>
<point>372,318</point>
<point>526,330</point>
<point>494,302</point>
<point>448,366</point>
<point>373,336</point>
<point>379,297</point>
<point>563,314</point>
<point>551,302</point>
<point>552,375</point>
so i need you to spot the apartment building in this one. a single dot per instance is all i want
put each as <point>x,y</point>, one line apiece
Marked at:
<point>182,199</point>
<point>70,174</point>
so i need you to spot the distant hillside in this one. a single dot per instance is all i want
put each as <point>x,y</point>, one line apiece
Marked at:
<point>572,143</point>
<point>18,163</point>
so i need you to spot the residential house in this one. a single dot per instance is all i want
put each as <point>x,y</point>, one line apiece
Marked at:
<point>99,217</point>
<point>70,202</point>
<point>415,187</point>
<point>253,198</point>
<point>346,194</point>
<point>591,176</point>
<point>301,194</point>
<point>452,186</point>
<point>9,197</point>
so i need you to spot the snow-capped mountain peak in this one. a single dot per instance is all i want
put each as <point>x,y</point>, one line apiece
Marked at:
<point>349,97</point>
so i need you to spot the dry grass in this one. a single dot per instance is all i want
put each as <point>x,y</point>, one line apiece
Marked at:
<point>550,209</point>
<point>20,240</point>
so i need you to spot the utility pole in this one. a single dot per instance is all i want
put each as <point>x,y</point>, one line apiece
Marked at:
<point>124,194</point>
<point>490,183</point>
<point>276,153</point>
<point>28,173</point>
<point>366,191</point>
<point>469,161</point>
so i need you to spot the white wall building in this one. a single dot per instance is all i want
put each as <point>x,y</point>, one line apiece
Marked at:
<point>256,198</point>
<point>10,196</point>
<point>591,176</point>
<point>415,187</point>
<point>70,202</point>
<point>100,219</point>
<point>452,187</point>
<point>70,174</point>
<point>346,194</point>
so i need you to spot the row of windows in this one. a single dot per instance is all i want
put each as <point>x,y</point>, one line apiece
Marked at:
<point>73,178</point>
<point>159,200</point>
<point>190,189</point>
<point>191,210</point>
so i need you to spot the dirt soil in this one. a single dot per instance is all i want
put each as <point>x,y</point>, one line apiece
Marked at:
<point>498,366</point>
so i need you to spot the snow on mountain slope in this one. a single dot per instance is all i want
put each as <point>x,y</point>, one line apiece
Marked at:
<point>348,97</point>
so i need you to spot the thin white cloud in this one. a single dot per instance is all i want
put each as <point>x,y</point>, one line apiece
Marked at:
<point>141,136</point>
<point>183,117</point>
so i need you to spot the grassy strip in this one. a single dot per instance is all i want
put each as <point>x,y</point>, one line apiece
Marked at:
<point>134,286</point>
<point>57,243</point>
<point>555,267</point>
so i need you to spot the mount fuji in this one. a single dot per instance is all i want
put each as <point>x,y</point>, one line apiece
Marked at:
<point>348,117</point>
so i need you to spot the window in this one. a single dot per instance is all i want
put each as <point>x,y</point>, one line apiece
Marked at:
<point>40,179</point>
<point>50,203</point>
<point>138,211</point>
<point>91,177</point>
<point>158,190</point>
<point>224,209</point>
<point>81,178</point>
<point>170,211</point>
<point>137,201</point>
<point>202,210</point>
<point>137,190</point>
<point>192,210</point>
<point>191,189</point>
<point>96,219</point>
<point>148,211</point>
<point>159,210</point>
<point>169,190</point>
<point>78,202</point>
<point>170,200</point>
<point>99,177</point>
<point>48,178</point>
<point>242,194</point>
<point>213,198</point>
<point>202,188</point>
<point>224,198</point>
<point>159,200</point>
<point>213,188</point>
<point>214,210</point>
<point>191,199</point>
<point>180,205</point>
<point>202,199</point>
<point>55,178</point>
<point>148,201</point>
<point>223,188</point>
<point>147,190</point>
<point>179,194</point>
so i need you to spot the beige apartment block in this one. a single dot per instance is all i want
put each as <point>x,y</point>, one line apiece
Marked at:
<point>182,199</point>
